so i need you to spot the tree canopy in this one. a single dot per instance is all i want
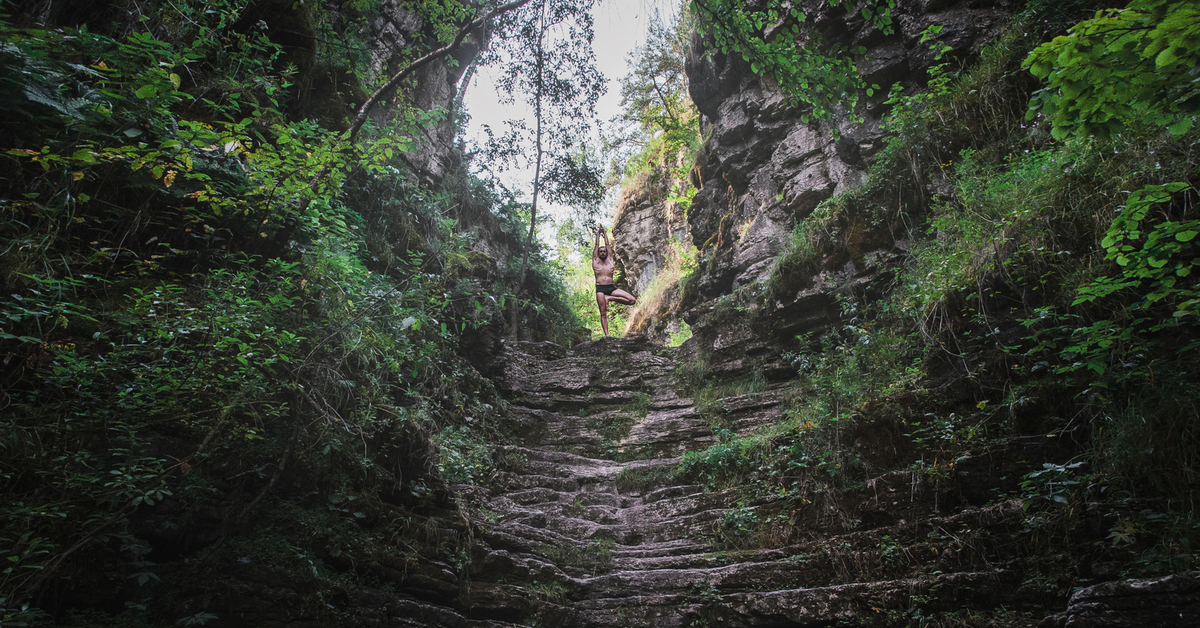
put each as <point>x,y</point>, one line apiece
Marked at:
<point>547,56</point>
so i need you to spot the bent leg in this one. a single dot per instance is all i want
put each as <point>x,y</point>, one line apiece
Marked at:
<point>602,304</point>
<point>620,296</point>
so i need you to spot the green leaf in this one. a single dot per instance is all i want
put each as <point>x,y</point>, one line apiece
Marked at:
<point>1185,236</point>
<point>1165,58</point>
<point>146,91</point>
<point>1181,126</point>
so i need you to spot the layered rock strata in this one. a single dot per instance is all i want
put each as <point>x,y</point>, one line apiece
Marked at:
<point>763,168</point>
<point>587,526</point>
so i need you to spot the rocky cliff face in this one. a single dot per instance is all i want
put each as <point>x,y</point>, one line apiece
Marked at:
<point>762,169</point>
<point>651,232</point>
<point>643,223</point>
<point>435,89</point>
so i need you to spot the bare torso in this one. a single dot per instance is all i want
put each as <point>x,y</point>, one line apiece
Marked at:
<point>603,269</point>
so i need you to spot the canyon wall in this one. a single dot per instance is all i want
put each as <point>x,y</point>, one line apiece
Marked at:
<point>762,169</point>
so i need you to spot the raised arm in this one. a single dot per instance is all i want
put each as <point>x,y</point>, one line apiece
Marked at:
<point>596,246</point>
<point>608,242</point>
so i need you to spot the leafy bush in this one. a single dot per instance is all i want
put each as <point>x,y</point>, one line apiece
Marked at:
<point>1126,67</point>
<point>727,461</point>
<point>200,326</point>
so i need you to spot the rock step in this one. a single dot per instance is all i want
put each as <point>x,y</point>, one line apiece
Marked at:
<point>647,555</point>
<point>678,547</point>
<point>649,508</point>
<point>600,493</point>
<point>675,544</point>
<point>536,527</point>
<point>845,604</point>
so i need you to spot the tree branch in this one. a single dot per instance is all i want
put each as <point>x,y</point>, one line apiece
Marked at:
<point>360,118</point>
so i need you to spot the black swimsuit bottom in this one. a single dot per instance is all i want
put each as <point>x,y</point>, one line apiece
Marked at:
<point>606,288</point>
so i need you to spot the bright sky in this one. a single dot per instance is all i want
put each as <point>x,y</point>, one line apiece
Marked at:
<point>620,27</point>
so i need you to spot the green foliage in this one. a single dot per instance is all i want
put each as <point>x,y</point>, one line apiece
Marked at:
<point>654,92</point>
<point>465,455</point>
<point>1030,223</point>
<point>445,16</point>
<point>541,593</point>
<point>681,336</point>
<point>595,556</point>
<point>728,461</point>
<point>1053,482</point>
<point>1079,240</point>
<point>874,354</point>
<point>937,89</point>
<point>1157,264</point>
<point>1155,261</point>
<point>821,78</point>
<point>710,396</point>
<point>641,479</point>
<point>660,121</point>
<point>738,524</point>
<point>800,254</point>
<point>691,376</point>
<point>1147,288</point>
<point>612,427</point>
<point>198,324</point>
<point>639,406</point>
<point>997,218</point>
<point>1131,66</point>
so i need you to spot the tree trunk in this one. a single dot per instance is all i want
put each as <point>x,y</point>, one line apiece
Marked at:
<point>537,177</point>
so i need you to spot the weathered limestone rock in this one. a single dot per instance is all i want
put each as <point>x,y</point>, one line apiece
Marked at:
<point>436,85</point>
<point>646,225</point>
<point>1170,602</point>
<point>641,228</point>
<point>565,538</point>
<point>763,168</point>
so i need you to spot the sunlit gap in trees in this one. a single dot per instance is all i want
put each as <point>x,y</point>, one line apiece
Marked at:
<point>620,26</point>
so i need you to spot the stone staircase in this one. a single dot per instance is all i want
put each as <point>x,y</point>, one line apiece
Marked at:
<point>562,544</point>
